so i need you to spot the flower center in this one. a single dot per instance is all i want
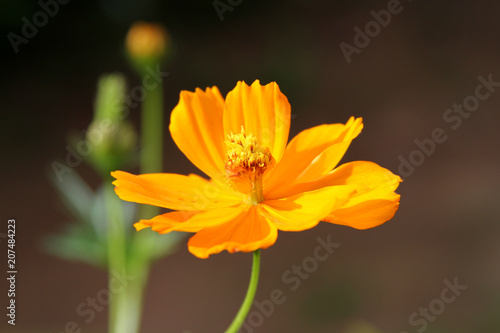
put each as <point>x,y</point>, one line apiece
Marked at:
<point>246,163</point>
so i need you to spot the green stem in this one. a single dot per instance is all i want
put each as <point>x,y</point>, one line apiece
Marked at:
<point>152,148</point>
<point>117,249</point>
<point>247,302</point>
<point>126,304</point>
<point>152,130</point>
<point>131,302</point>
<point>151,160</point>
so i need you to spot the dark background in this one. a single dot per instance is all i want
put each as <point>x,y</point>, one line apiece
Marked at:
<point>424,61</point>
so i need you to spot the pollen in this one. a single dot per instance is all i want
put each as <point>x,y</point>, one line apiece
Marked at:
<point>246,162</point>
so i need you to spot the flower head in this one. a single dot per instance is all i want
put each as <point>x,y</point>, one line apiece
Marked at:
<point>147,45</point>
<point>114,137</point>
<point>258,184</point>
<point>147,40</point>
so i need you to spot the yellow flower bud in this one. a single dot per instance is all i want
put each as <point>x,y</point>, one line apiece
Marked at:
<point>147,40</point>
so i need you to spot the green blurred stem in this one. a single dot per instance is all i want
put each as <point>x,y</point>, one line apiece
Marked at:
<point>247,302</point>
<point>126,305</point>
<point>152,130</point>
<point>131,304</point>
<point>117,260</point>
<point>126,293</point>
<point>152,148</point>
<point>150,162</point>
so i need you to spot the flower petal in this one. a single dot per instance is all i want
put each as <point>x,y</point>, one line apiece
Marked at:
<point>197,128</point>
<point>165,223</point>
<point>173,191</point>
<point>190,221</point>
<point>305,210</point>
<point>246,233</point>
<point>367,214</point>
<point>263,111</point>
<point>311,154</point>
<point>375,201</point>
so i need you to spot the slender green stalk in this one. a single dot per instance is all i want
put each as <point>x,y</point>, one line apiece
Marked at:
<point>126,305</point>
<point>152,131</point>
<point>133,296</point>
<point>247,302</point>
<point>139,263</point>
<point>117,261</point>
<point>126,299</point>
<point>152,147</point>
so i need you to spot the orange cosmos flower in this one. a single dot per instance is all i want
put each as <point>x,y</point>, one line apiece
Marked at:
<point>258,184</point>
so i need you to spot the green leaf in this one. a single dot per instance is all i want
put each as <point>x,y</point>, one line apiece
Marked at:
<point>77,242</point>
<point>74,193</point>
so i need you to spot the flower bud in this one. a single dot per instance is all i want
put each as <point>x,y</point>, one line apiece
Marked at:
<point>147,44</point>
<point>112,137</point>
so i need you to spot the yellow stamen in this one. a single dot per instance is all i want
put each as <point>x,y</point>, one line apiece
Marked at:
<point>246,163</point>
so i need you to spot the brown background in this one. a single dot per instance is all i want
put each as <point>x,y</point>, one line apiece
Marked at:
<point>424,61</point>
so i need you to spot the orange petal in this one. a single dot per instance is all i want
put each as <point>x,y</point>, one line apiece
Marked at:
<point>173,191</point>
<point>165,223</point>
<point>197,128</point>
<point>367,214</point>
<point>190,221</point>
<point>311,154</point>
<point>263,111</point>
<point>246,233</point>
<point>305,210</point>
<point>375,201</point>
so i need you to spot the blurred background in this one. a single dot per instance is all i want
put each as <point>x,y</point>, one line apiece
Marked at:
<point>402,82</point>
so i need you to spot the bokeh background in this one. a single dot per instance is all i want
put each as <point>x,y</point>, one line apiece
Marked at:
<point>427,58</point>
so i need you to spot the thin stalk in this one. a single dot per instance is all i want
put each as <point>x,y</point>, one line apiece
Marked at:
<point>117,261</point>
<point>247,302</point>
<point>126,298</point>
<point>152,131</point>
<point>132,309</point>
<point>151,160</point>
<point>126,304</point>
